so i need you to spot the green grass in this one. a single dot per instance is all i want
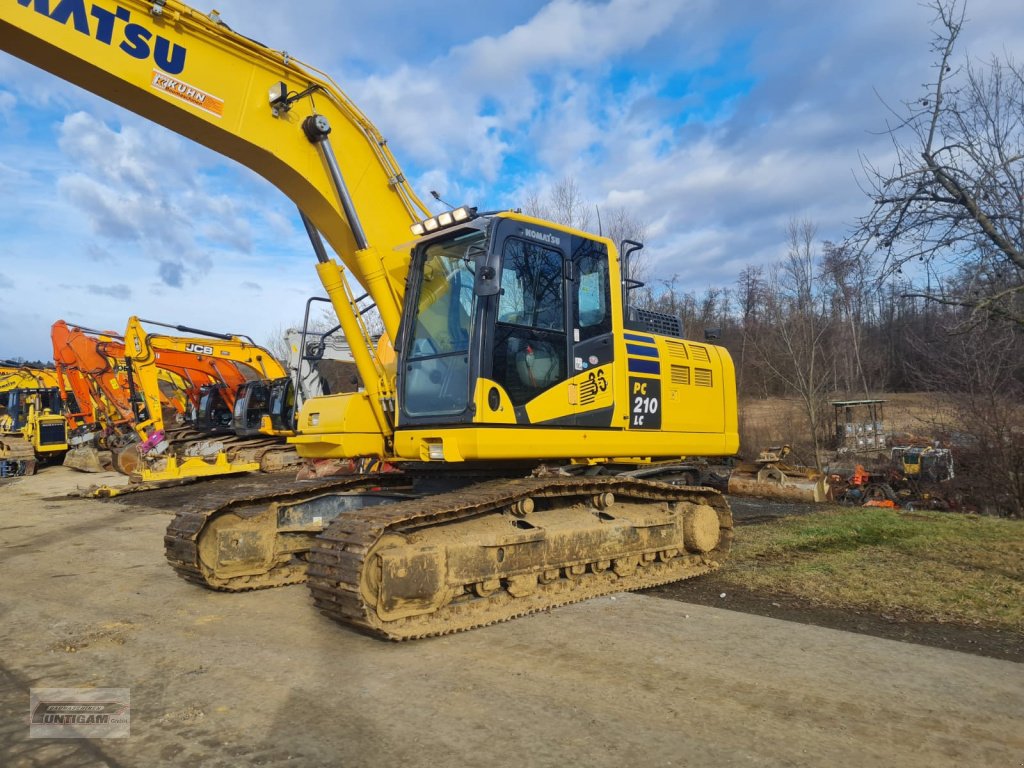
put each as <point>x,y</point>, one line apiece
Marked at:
<point>928,566</point>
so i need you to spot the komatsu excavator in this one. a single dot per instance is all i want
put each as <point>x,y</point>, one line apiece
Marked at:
<point>33,428</point>
<point>537,419</point>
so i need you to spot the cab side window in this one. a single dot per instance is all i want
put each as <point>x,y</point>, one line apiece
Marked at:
<point>593,298</point>
<point>531,286</point>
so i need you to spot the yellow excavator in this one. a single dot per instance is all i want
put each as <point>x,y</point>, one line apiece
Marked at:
<point>539,423</point>
<point>33,428</point>
<point>231,428</point>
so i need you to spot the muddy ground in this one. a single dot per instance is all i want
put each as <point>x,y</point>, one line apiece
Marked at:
<point>262,679</point>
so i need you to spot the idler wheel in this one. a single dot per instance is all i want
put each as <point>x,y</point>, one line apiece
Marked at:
<point>700,529</point>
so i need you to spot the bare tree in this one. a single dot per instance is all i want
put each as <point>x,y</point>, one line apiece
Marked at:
<point>955,195</point>
<point>794,345</point>
<point>845,275</point>
<point>277,344</point>
<point>618,224</point>
<point>980,374</point>
<point>565,204</point>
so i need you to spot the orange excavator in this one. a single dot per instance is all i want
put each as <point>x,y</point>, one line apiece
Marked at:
<point>153,400</point>
<point>102,422</point>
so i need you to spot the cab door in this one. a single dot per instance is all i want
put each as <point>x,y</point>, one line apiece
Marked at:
<point>592,342</point>
<point>531,355</point>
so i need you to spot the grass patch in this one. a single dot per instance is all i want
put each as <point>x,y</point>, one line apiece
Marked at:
<point>927,566</point>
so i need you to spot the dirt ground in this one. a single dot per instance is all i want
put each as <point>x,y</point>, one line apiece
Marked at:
<point>262,679</point>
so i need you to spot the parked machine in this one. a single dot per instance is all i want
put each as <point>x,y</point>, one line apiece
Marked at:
<point>916,477</point>
<point>33,429</point>
<point>539,422</point>
<point>231,429</point>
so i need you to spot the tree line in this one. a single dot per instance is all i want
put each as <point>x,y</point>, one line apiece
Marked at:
<point>925,294</point>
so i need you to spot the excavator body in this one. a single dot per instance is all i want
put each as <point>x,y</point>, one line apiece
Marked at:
<point>537,422</point>
<point>515,346</point>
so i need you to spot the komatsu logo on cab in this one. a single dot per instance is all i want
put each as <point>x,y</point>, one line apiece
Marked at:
<point>544,237</point>
<point>100,23</point>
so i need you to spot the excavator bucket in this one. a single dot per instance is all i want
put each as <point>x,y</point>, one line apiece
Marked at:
<point>85,458</point>
<point>779,481</point>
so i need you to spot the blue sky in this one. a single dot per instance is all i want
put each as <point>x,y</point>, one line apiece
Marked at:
<point>715,123</point>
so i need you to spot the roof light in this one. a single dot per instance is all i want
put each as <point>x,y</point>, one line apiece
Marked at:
<point>443,220</point>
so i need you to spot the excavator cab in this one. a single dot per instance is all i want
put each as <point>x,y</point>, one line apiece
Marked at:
<point>33,416</point>
<point>23,403</point>
<point>258,401</point>
<point>518,306</point>
<point>213,414</point>
<point>517,342</point>
<point>252,403</point>
<point>283,410</point>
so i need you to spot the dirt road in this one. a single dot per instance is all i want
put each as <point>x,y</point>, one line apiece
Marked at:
<point>261,678</point>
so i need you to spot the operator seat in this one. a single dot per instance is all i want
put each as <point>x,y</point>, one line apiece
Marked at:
<point>537,365</point>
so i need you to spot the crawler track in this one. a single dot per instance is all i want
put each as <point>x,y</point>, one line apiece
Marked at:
<point>234,540</point>
<point>378,569</point>
<point>271,453</point>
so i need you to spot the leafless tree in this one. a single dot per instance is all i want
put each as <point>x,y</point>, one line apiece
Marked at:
<point>277,344</point>
<point>794,345</point>
<point>979,373</point>
<point>955,195</point>
<point>846,279</point>
<point>564,204</point>
<point>618,224</point>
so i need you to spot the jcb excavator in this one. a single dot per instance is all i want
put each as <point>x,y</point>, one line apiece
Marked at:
<point>134,380</point>
<point>233,405</point>
<point>33,429</point>
<point>538,420</point>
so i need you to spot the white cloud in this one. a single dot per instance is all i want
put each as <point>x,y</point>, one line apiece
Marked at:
<point>8,101</point>
<point>715,122</point>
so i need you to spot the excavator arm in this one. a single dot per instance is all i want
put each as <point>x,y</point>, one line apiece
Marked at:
<point>284,120</point>
<point>82,369</point>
